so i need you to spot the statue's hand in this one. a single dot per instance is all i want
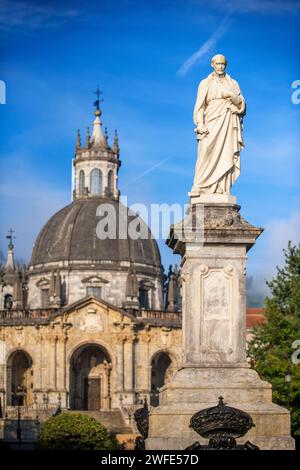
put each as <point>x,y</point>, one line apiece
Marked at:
<point>232,98</point>
<point>201,131</point>
<point>227,94</point>
<point>204,130</point>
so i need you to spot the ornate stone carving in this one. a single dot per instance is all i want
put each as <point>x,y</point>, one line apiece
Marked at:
<point>91,321</point>
<point>203,269</point>
<point>218,305</point>
<point>224,217</point>
<point>43,282</point>
<point>94,280</point>
<point>222,424</point>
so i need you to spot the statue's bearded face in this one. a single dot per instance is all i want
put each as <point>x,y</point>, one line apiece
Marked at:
<point>219,64</point>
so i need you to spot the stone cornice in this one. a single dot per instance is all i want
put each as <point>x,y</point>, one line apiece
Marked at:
<point>111,159</point>
<point>214,224</point>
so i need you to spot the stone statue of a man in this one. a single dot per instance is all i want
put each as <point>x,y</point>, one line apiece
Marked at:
<point>218,114</point>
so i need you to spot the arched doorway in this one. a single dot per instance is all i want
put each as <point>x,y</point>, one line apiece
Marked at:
<point>162,369</point>
<point>19,379</point>
<point>90,379</point>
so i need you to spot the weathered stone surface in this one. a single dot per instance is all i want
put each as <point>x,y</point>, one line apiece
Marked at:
<point>128,343</point>
<point>213,334</point>
<point>272,422</point>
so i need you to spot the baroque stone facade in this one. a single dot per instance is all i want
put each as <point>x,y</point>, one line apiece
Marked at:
<point>92,324</point>
<point>89,355</point>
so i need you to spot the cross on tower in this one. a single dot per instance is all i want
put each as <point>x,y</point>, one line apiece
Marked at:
<point>98,93</point>
<point>10,236</point>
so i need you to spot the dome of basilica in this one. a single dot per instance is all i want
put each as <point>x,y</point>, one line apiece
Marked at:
<point>96,245</point>
<point>70,237</point>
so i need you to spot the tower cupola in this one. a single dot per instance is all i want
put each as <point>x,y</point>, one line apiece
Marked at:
<point>96,164</point>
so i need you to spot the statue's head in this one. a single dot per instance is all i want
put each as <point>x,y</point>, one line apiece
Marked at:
<point>218,63</point>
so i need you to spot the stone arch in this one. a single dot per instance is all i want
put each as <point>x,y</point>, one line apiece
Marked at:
<point>83,343</point>
<point>19,378</point>
<point>90,377</point>
<point>163,366</point>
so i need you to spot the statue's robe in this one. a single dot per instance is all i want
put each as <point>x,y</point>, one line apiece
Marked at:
<point>218,162</point>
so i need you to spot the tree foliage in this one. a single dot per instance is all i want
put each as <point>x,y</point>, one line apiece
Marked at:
<point>74,431</point>
<point>273,343</point>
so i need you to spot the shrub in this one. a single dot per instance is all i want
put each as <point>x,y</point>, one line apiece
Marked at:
<point>74,431</point>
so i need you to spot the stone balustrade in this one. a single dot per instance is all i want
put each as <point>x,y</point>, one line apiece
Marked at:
<point>160,315</point>
<point>15,317</point>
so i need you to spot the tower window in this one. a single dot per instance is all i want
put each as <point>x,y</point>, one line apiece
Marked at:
<point>45,298</point>
<point>8,302</point>
<point>95,291</point>
<point>81,182</point>
<point>110,182</point>
<point>96,181</point>
<point>143,297</point>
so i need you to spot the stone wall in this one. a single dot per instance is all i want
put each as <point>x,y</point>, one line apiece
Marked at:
<point>129,344</point>
<point>74,284</point>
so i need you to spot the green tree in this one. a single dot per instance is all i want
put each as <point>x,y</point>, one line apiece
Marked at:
<point>74,431</point>
<point>271,347</point>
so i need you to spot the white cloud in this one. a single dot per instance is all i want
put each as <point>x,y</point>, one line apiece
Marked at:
<point>232,7</point>
<point>257,6</point>
<point>280,231</point>
<point>29,201</point>
<point>273,159</point>
<point>34,15</point>
<point>146,172</point>
<point>269,250</point>
<point>206,48</point>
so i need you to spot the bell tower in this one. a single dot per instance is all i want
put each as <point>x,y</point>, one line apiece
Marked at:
<point>96,164</point>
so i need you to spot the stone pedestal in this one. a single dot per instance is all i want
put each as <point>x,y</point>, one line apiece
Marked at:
<point>212,198</point>
<point>213,241</point>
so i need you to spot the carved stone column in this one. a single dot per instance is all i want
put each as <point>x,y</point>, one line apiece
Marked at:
<point>4,383</point>
<point>54,371</point>
<point>64,371</point>
<point>128,365</point>
<point>40,362</point>
<point>61,371</point>
<point>213,246</point>
<point>129,369</point>
<point>143,378</point>
<point>108,367</point>
<point>120,365</point>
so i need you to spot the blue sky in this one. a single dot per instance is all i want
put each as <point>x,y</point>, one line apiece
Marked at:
<point>54,54</point>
